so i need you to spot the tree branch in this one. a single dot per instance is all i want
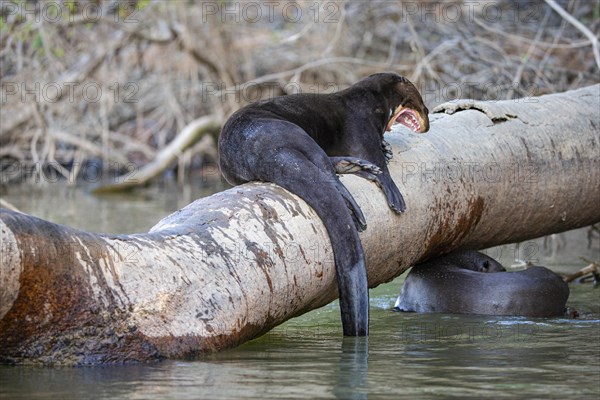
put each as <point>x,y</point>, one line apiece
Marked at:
<point>582,28</point>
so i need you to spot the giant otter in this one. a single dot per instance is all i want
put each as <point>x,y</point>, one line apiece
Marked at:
<point>301,141</point>
<point>469,282</point>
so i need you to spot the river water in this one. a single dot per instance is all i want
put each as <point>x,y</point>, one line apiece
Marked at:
<point>406,356</point>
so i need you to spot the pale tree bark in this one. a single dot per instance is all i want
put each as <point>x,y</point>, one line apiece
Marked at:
<point>229,267</point>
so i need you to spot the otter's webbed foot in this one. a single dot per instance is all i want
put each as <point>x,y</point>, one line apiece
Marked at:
<point>391,191</point>
<point>352,165</point>
<point>387,150</point>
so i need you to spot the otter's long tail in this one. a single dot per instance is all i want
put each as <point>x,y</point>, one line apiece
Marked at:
<point>321,190</point>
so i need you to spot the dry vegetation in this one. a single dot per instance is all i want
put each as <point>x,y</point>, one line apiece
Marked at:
<point>112,82</point>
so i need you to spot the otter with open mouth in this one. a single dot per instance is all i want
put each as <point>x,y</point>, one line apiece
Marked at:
<point>302,141</point>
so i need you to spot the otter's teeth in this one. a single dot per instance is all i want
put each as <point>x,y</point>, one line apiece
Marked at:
<point>410,121</point>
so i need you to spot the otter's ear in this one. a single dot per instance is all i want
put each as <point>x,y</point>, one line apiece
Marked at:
<point>401,79</point>
<point>486,266</point>
<point>405,90</point>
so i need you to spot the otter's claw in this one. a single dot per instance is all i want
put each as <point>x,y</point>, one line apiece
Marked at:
<point>387,150</point>
<point>349,165</point>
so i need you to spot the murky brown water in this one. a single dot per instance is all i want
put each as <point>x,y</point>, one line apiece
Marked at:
<point>409,355</point>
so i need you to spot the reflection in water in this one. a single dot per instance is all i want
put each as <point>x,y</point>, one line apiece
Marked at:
<point>433,356</point>
<point>351,376</point>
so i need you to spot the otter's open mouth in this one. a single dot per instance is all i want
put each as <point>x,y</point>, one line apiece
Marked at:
<point>407,117</point>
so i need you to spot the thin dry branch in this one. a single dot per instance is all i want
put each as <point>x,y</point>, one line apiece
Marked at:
<point>591,269</point>
<point>84,144</point>
<point>75,76</point>
<point>526,40</point>
<point>310,65</point>
<point>170,51</point>
<point>582,28</point>
<point>191,134</point>
<point>532,46</point>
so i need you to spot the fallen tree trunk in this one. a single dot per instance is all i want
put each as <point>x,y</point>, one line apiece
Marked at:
<point>229,267</point>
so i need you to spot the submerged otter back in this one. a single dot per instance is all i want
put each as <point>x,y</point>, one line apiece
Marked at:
<point>447,288</point>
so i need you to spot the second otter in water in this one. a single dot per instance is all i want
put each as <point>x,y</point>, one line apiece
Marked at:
<point>469,282</point>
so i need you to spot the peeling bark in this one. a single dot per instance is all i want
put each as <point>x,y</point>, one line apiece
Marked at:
<point>229,267</point>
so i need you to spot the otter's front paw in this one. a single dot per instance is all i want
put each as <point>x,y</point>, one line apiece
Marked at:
<point>351,165</point>
<point>387,150</point>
